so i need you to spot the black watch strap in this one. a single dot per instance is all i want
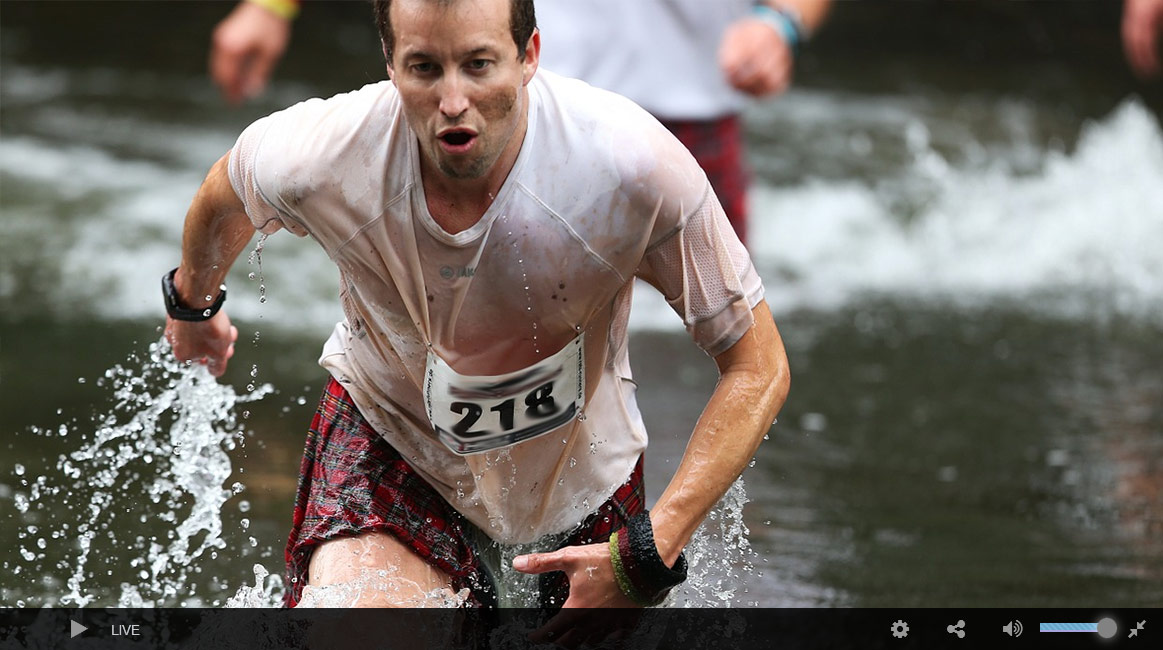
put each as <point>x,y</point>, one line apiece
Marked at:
<point>178,311</point>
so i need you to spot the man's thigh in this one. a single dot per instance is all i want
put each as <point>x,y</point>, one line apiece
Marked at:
<point>373,569</point>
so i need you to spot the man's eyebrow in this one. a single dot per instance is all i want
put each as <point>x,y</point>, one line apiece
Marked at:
<point>428,56</point>
<point>418,54</point>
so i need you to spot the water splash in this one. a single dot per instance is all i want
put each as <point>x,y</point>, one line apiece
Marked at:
<point>720,560</point>
<point>160,454</point>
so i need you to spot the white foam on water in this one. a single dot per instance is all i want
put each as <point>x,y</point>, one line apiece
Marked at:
<point>1086,221</point>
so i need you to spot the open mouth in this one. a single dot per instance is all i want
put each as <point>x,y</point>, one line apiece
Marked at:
<point>457,138</point>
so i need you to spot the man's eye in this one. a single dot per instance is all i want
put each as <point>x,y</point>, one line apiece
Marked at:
<point>423,68</point>
<point>478,64</point>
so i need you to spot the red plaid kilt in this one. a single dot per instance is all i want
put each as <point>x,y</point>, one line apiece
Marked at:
<point>718,147</point>
<point>352,481</point>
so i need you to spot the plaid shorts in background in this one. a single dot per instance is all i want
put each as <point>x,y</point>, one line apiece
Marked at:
<point>718,147</point>
<point>352,481</point>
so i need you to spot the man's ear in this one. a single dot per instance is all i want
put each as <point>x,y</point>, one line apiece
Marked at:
<point>532,56</point>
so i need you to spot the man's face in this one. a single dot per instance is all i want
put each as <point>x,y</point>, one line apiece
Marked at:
<point>456,67</point>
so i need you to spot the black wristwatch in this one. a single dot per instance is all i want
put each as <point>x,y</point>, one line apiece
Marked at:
<point>178,311</point>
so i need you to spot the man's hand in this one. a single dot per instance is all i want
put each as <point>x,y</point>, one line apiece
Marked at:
<point>245,47</point>
<point>1142,26</point>
<point>591,584</point>
<point>590,573</point>
<point>755,59</point>
<point>210,342</point>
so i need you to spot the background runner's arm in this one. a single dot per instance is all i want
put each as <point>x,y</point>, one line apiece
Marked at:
<point>753,384</point>
<point>757,57</point>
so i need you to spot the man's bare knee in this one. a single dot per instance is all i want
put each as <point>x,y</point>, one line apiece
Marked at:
<point>373,569</point>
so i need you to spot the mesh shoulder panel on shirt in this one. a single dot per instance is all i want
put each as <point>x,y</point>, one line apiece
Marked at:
<point>707,276</point>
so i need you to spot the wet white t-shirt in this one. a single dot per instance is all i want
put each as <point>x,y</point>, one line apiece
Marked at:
<point>493,334</point>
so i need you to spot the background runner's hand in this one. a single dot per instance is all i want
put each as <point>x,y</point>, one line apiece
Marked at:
<point>755,59</point>
<point>209,342</point>
<point>1142,31</point>
<point>244,49</point>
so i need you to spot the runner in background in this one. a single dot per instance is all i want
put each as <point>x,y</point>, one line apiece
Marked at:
<point>1142,26</point>
<point>727,51</point>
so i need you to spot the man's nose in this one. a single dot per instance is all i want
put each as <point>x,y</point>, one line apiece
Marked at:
<point>453,100</point>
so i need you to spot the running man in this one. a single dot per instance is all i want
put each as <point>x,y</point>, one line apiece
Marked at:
<point>488,221</point>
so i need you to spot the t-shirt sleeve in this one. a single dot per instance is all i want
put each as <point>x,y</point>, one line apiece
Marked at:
<point>694,257</point>
<point>259,165</point>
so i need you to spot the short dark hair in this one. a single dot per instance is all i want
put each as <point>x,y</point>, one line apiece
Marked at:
<point>522,22</point>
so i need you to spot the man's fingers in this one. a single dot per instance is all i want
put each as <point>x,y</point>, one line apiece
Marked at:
<point>226,68</point>
<point>258,73</point>
<point>540,562</point>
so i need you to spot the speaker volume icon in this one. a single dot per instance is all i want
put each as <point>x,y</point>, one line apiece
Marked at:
<point>1013,628</point>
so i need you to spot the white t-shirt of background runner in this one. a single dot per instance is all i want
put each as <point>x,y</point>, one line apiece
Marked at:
<point>600,193</point>
<point>662,54</point>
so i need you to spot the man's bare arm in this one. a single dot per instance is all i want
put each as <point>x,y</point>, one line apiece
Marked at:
<point>753,384</point>
<point>216,231</point>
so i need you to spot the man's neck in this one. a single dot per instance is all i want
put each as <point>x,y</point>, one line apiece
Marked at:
<point>458,203</point>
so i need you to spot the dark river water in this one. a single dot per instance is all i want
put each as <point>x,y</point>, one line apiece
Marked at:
<point>957,213</point>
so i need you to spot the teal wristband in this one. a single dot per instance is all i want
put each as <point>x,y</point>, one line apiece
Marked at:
<point>785,21</point>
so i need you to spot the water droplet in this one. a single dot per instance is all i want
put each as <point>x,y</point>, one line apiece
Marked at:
<point>245,523</point>
<point>262,299</point>
<point>80,380</point>
<point>19,469</point>
<point>251,275</point>
<point>572,461</point>
<point>561,481</point>
<point>209,297</point>
<point>593,448</point>
<point>244,506</point>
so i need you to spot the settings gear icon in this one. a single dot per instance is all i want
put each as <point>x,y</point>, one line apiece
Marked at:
<point>900,629</point>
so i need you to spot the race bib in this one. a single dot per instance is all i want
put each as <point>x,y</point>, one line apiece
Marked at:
<point>472,414</point>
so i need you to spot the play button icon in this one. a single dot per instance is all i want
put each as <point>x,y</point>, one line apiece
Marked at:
<point>75,629</point>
